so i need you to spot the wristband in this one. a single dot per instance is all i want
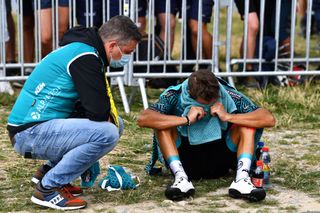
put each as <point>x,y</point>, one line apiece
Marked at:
<point>188,120</point>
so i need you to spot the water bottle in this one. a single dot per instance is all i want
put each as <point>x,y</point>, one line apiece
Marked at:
<point>259,149</point>
<point>257,156</point>
<point>265,158</point>
<point>258,175</point>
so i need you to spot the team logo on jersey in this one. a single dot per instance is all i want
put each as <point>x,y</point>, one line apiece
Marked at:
<point>35,115</point>
<point>39,88</point>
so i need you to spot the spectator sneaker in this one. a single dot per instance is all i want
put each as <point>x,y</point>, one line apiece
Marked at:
<point>57,198</point>
<point>251,82</point>
<point>5,87</point>
<point>38,175</point>
<point>245,189</point>
<point>181,188</point>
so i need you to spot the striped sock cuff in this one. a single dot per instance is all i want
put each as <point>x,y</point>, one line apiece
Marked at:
<point>245,155</point>
<point>172,158</point>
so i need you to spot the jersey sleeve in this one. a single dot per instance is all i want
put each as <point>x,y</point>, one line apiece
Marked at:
<point>166,103</point>
<point>243,103</point>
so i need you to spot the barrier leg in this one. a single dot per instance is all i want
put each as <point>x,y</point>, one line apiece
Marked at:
<point>123,95</point>
<point>231,82</point>
<point>143,93</point>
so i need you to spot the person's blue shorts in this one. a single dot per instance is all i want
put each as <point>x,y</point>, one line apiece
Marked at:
<point>47,3</point>
<point>142,8</point>
<point>160,6</point>
<point>27,7</point>
<point>113,10</point>
<point>8,6</point>
<point>192,8</point>
<point>316,9</point>
<point>254,6</point>
<point>82,11</point>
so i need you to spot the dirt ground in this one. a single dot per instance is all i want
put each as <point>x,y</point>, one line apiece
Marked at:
<point>284,144</point>
<point>288,201</point>
<point>280,199</point>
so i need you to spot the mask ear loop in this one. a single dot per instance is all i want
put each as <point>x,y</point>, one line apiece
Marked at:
<point>120,50</point>
<point>123,54</point>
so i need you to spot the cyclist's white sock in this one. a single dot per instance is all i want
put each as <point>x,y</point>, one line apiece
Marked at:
<point>176,166</point>
<point>244,164</point>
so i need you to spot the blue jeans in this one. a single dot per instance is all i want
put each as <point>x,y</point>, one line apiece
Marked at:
<point>97,9</point>
<point>71,146</point>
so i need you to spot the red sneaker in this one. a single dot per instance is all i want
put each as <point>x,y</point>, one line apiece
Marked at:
<point>74,190</point>
<point>38,175</point>
<point>57,198</point>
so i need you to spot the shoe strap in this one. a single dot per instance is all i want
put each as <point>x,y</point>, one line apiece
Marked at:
<point>246,170</point>
<point>65,193</point>
<point>179,179</point>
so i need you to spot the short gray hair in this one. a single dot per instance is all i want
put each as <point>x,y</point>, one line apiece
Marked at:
<point>119,28</point>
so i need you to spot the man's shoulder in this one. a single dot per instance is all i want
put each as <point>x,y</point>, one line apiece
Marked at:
<point>171,92</point>
<point>77,48</point>
<point>233,92</point>
<point>168,101</point>
<point>171,96</point>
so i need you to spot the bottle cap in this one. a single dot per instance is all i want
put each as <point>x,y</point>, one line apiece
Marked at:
<point>259,163</point>
<point>265,149</point>
<point>260,144</point>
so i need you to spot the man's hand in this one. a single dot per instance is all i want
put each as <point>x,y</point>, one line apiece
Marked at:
<point>218,110</point>
<point>196,113</point>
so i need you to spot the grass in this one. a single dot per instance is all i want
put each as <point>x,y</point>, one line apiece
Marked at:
<point>296,179</point>
<point>292,106</point>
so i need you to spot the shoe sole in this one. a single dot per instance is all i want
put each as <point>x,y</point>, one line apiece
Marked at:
<point>254,196</point>
<point>76,194</point>
<point>176,194</point>
<point>50,205</point>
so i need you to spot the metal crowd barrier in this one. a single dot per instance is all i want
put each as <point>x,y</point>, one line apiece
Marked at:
<point>293,29</point>
<point>131,75</point>
<point>18,14</point>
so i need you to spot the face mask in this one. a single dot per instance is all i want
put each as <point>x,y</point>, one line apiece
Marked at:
<point>125,58</point>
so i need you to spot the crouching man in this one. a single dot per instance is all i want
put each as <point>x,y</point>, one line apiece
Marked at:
<point>65,112</point>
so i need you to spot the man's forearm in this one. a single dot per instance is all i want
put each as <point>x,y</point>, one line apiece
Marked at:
<point>259,118</point>
<point>155,120</point>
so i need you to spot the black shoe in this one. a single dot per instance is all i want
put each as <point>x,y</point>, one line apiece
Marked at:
<point>250,82</point>
<point>182,188</point>
<point>243,188</point>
